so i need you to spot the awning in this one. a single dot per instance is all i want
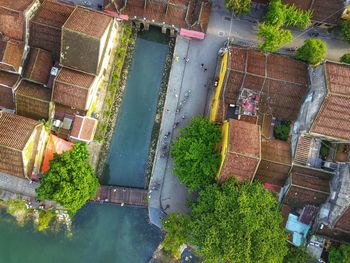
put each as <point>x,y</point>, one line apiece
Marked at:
<point>54,145</point>
<point>191,34</point>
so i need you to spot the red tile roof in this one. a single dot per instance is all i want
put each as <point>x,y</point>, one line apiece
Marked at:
<point>17,5</point>
<point>71,88</point>
<point>243,153</point>
<point>281,81</point>
<point>38,65</point>
<point>333,118</point>
<point>11,55</point>
<point>33,100</point>
<point>15,130</point>
<point>88,22</point>
<point>83,128</point>
<point>45,27</point>
<point>7,84</point>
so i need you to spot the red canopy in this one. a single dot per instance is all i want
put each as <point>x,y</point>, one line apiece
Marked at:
<point>191,34</point>
<point>54,145</point>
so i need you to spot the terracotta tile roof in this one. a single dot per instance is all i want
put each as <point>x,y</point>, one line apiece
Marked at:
<point>334,234</point>
<point>45,27</point>
<point>33,100</point>
<point>62,111</point>
<point>38,65</point>
<point>306,190</point>
<point>275,162</point>
<point>15,130</point>
<point>11,54</point>
<point>333,117</point>
<point>326,11</point>
<point>18,5</point>
<point>7,84</point>
<point>344,221</point>
<point>71,88</point>
<point>83,128</point>
<point>243,153</point>
<point>302,150</point>
<point>88,22</point>
<point>282,81</point>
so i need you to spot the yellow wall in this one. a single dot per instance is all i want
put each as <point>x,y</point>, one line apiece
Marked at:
<point>346,14</point>
<point>216,99</point>
<point>224,143</point>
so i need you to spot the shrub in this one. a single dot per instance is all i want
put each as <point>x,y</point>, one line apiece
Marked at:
<point>340,254</point>
<point>281,131</point>
<point>313,51</point>
<point>345,30</point>
<point>238,6</point>
<point>345,58</point>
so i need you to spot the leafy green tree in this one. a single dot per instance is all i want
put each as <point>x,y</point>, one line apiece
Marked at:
<point>281,132</point>
<point>297,17</point>
<point>340,254</point>
<point>298,255</point>
<point>239,6</point>
<point>345,58</point>
<point>276,14</point>
<point>70,180</point>
<point>345,30</point>
<point>194,152</point>
<point>312,51</point>
<point>235,223</point>
<point>273,37</point>
<point>176,227</point>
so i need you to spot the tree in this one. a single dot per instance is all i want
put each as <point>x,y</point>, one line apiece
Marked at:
<point>299,255</point>
<point>239,6</point>
<point>340,254</point>
<point>345,30</point>
<point>175,226</point>
<point>312,51</point>
<point>70,180</point>
<point>235,223</point>
<point>273,37</point>
<point>194,152</point>
<point>345,58</point>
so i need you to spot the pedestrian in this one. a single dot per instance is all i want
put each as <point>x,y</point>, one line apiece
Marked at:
<point>167,110</point>
<point>202,65</point>
<point>205,69</point>
<point>187,60</point>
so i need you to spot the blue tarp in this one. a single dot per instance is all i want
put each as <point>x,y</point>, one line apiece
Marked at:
<point>298,229</point>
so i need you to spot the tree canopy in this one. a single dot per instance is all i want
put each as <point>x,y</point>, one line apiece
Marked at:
<point>271,31</point>
<point>232,223</point>
<point>239,6</point>
<point>345,58</point>
<point>194,152</point>
<point>70,180</point>
<point>312,51</point>
<point>345,30</point>
<point>340,254</point>
<point>299,255</point>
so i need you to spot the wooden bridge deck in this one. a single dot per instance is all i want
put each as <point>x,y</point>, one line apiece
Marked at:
<point>122,195</point>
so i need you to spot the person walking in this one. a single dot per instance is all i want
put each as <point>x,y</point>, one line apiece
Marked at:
<point>202,65</point>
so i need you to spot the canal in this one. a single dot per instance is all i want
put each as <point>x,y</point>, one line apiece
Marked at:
<point>107,233</point>
<point>129,148</point>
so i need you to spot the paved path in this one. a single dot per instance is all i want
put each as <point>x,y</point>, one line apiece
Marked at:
<point>18,185</point>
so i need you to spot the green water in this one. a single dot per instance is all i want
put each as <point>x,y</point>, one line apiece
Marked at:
<point>107,233</point>
<point>130,143</point>
<point>101,233</point>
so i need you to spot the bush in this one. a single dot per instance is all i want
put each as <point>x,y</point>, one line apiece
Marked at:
<point>281,132</point>
<point>298,255</point>
<point>238,6</point>
<point>340,254</point>
<point>325,148</point>
<point>273,37</point>
<point>345,58</point>
<point>45,217</point>
<point>345,30</point>
<point>313,51</point>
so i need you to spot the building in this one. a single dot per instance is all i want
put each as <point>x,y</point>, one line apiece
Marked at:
<point>256,84</point>
<point>83,129</point>
<point>15,16</point>
<point>81,30</point>
<point>275,162</point>
<point>183,15</point>
<point>12,55</point>
<point>38,66</point>
<point>46,26</point>
<point>334,218</point>
<point>33,100</point>
<point>21,144</point>
<point>8,83</point>
<point>240,150</point>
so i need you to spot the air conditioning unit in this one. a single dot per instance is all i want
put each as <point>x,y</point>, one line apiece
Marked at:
<point>56,123</point>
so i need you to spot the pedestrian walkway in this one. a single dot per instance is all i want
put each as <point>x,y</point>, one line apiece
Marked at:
<point>18,185</point>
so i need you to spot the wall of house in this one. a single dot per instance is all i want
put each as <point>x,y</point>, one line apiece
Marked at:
<point>27,154</point>
<point>28,15</point>
<point>103,44</point>
<point>219,88</point>
<point>224,144</point>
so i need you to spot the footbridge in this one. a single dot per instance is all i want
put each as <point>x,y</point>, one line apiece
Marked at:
<point>122,195</point>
